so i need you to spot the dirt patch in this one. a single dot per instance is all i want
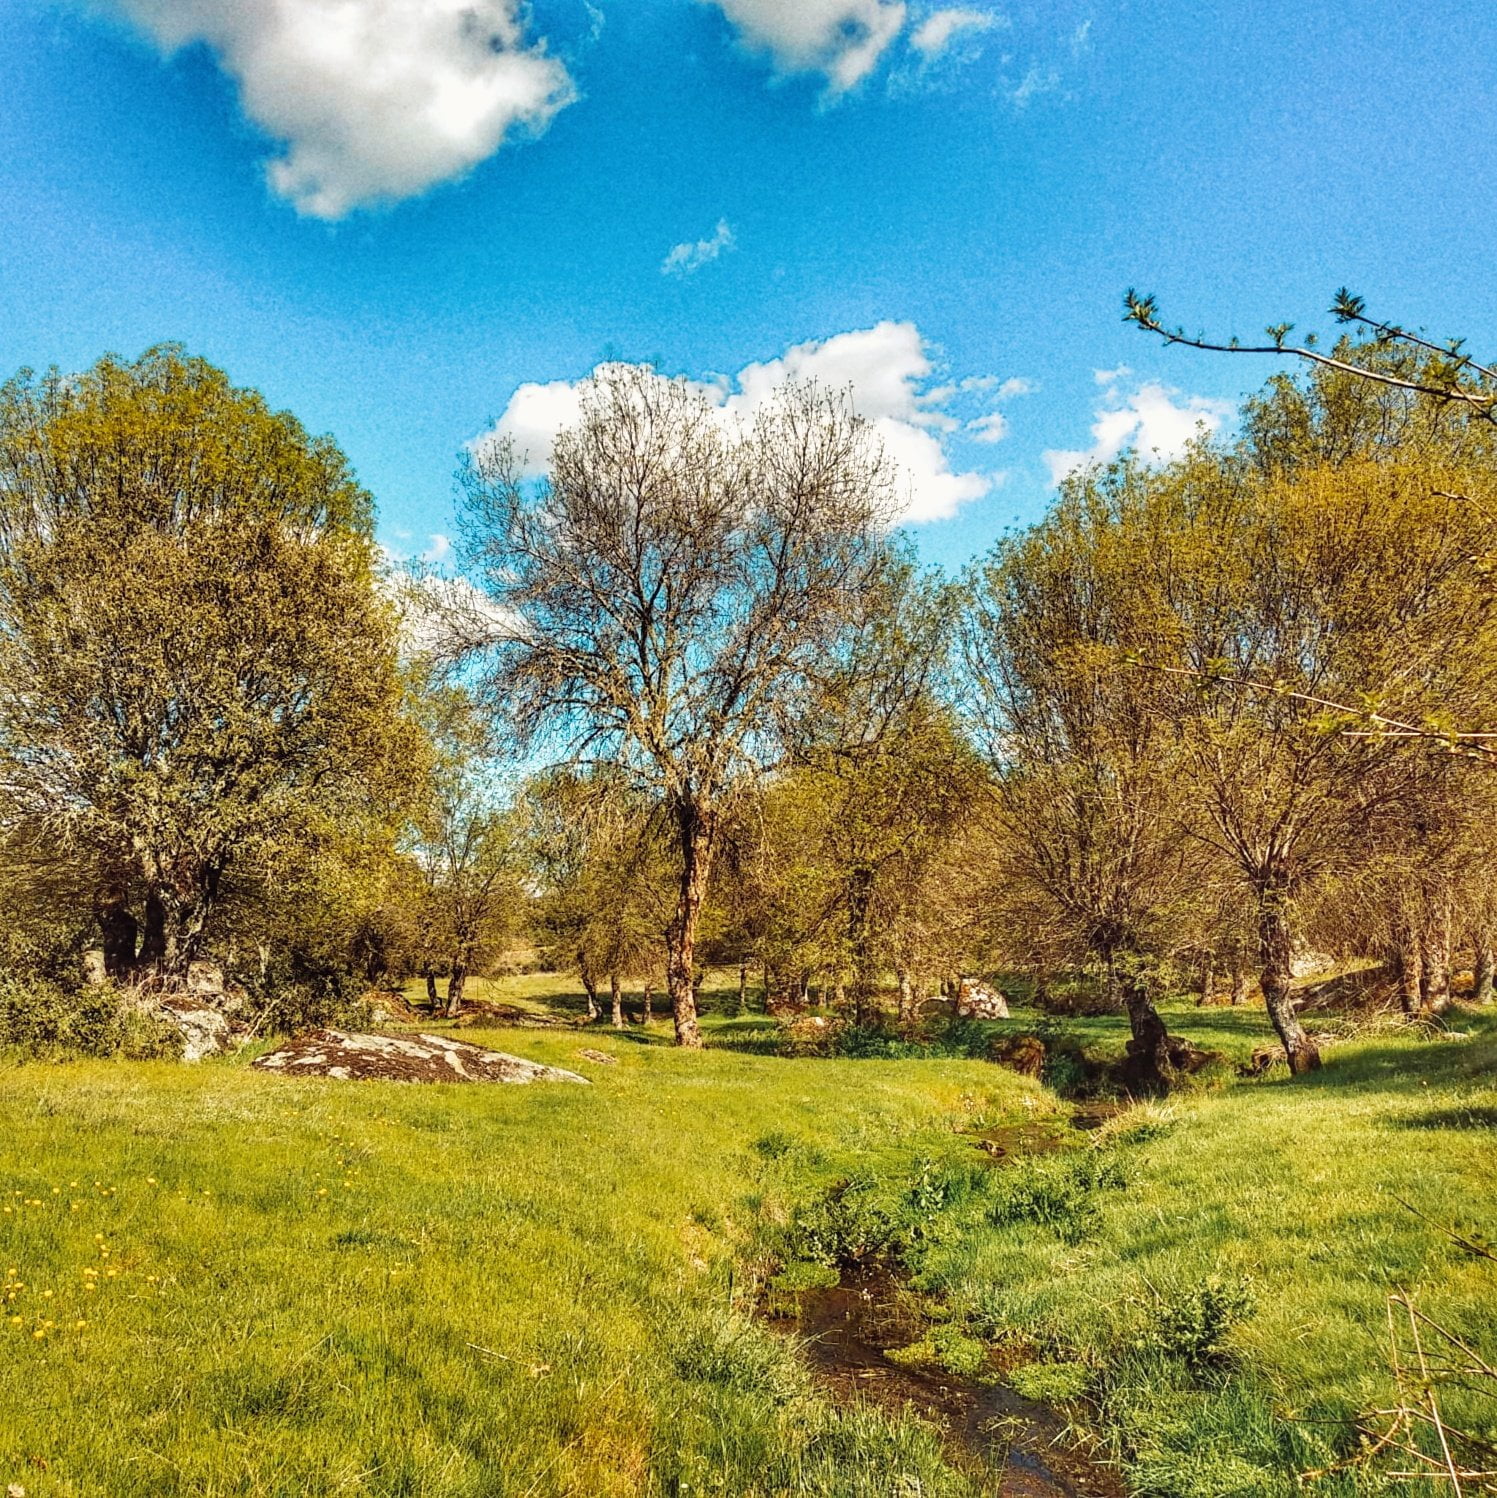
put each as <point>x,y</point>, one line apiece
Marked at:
<point>403,1058</point>
<point>991,1432</point>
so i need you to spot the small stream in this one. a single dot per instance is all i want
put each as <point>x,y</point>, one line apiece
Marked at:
<point>1010,1445</point>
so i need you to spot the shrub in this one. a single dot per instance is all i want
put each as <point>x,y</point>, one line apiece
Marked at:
<point>41,1019</point>
<point>1194,1324</point>
<point>299,992</point>
<point>1056,1192</point>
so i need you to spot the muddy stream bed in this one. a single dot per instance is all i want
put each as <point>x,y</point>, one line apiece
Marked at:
<point>1009,1445</point>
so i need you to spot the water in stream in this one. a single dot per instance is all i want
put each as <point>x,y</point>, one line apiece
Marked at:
<point>1012,1446</point>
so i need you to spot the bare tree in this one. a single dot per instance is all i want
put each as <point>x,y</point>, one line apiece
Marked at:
<point>668,592</point>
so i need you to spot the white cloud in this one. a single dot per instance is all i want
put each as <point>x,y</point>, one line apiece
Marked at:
<point>1112,376</point>
<point>1150,421</point>
<point>438,551</point>
<point>692,255</point>
<point>373,100</point>
<point>886,370</point>
<point>990,428</point>
<point>933,35</point>
<point>1036,81</point>
<point>841,39</point>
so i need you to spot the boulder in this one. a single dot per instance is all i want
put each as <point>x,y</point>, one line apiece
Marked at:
<point>205,1030</point>
<point>403,1058</point>
<point>978,1000</point>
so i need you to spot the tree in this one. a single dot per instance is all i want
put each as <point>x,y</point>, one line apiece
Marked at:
<point>667,594</point>
<point>198,672</point>
<point>599,865</point>
<point>1087,819</point>
<point>466,844</point>
<point>1289,595</point>
<point>886,764</point>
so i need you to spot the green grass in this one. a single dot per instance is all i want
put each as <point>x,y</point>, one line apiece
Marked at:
<point>365,1288</point>
<point>1292,1190</point>
<point>330,1288</point>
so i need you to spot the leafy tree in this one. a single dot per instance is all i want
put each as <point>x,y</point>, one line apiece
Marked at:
<point>892,775</point>
<point>1288,598</point>
<point>1092,846</point>
<point>465,846</point>
<point>198,673</point>
<point>668,592</point>
<point>603,885</point>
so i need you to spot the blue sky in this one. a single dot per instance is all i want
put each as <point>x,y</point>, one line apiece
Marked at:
<point>394,223</point>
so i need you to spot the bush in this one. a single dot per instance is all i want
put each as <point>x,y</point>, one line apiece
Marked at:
<point>1056,1192</point>
<point>1194,1324</point>
<point>41,1019</point>
<point>299,992</point>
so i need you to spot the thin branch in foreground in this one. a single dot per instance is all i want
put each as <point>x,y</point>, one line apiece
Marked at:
<point>1471,744</point>
<point>1478,398</point>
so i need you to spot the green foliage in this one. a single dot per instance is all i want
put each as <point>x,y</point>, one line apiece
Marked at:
<point>1195,1322</point>
<point>947,1347</point>
<point>200,676</point>
<point>1050,1383</point>
<point>41,1020</point>
<point>1058,1192</point>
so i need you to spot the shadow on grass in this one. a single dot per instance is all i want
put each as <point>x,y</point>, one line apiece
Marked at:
<point>1474,1117</point>
<point>1403,1061</point>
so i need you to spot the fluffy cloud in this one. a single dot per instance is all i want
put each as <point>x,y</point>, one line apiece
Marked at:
<point>887,371</point>
<point>933,35</point>
<point>841,39</point>
<point>1150,420</point>
<point>692,255</point>
<point>374,100</point>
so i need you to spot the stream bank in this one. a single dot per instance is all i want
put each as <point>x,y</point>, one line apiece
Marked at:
<point>851,1333</point>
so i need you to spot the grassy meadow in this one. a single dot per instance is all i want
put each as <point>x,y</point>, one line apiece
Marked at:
<point>220,1281</point>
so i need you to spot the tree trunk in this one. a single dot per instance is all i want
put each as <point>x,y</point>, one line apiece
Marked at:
<point>647,1015</point>
<point>1484,966</point>
<point>153,940</point>
<point>590,988</point>
<point>1276,959</point>
<point>742,989</point>
<point>695,830</point>
<point>1208,979</point>
<point>171,936</point>
<point>1150,1055</point>
<point>1410,967</point>
<point>1239,978</point>
<point>1434,979</point>
<point>1039,987</point>
<point>906,997</point>
<point>616,999</point>
<point>859,943</point>
<point>431,988</point>
<point>119,931</point>
<point>455,985</point>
